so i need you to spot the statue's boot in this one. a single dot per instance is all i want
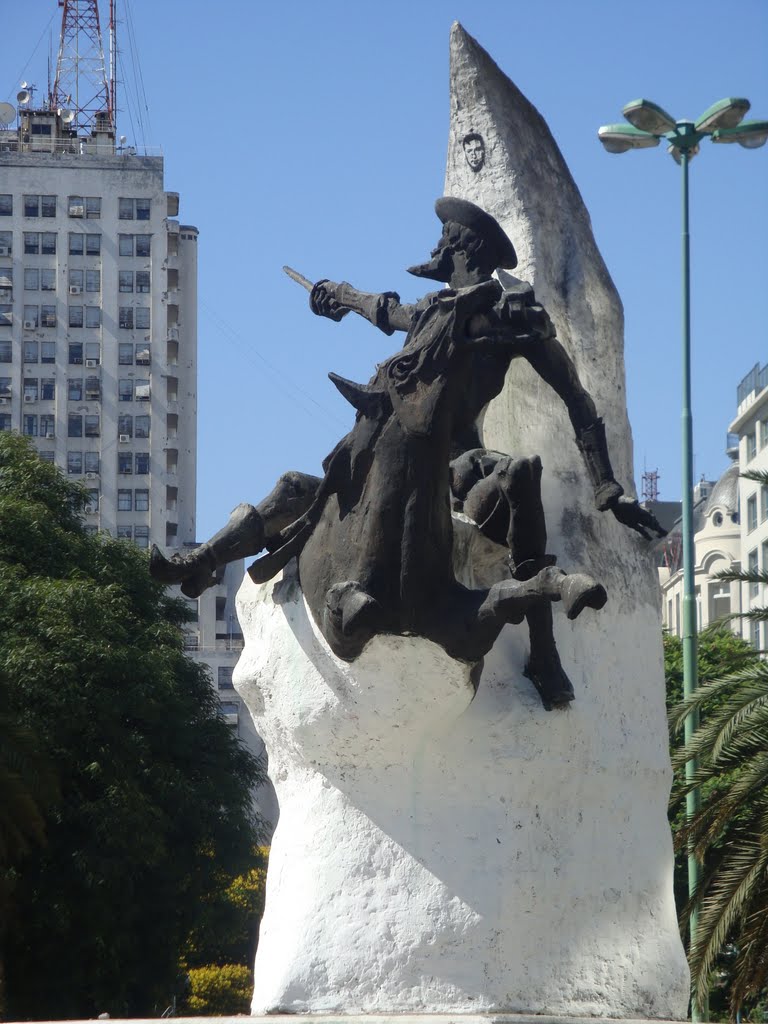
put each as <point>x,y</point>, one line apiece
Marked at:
<point>242,536</point>
<point>543,667</point>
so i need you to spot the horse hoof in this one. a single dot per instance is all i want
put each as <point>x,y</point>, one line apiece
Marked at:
<point>552,684</point>
<point>579,592</point>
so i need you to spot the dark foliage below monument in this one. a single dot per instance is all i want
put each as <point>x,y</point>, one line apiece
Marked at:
<point>153,803</point>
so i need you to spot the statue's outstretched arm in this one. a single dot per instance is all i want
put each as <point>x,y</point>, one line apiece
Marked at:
<point>383,309</point>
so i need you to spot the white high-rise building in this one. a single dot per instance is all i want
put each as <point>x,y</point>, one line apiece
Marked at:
<point>98,324</point>
<point>98,350</point>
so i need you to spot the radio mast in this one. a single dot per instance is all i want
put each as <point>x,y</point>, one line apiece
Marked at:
<point>81,83</point>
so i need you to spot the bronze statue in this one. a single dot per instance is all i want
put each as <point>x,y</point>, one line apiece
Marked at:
<point>374,536</point>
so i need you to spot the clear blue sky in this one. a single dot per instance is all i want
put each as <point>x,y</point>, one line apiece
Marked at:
<point>316,135</point>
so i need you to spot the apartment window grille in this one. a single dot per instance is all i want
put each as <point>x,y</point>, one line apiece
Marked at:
<point>29,425</point>
<point>142,463</point>
<point>48,389</point>
<point>47,425</point>
<point>141,536</point>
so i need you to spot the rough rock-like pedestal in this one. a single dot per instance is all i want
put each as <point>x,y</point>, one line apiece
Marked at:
<point>443,854</point>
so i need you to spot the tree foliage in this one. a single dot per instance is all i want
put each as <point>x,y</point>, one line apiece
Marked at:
<point>730,832</point>
<point>153,789</point>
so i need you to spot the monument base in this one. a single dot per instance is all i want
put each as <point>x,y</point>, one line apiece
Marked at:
<point>441,852</point>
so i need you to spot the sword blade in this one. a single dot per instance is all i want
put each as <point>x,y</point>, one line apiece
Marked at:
<point>299,278</point>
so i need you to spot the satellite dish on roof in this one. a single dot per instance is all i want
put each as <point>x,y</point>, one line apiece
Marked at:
<point>67,116</point>
<point>24,96</point>
<point>7,113</point>
<point>24,85</point>
<point>123,140</point>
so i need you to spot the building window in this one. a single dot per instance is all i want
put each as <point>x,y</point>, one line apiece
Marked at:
<point>142,426</point>
<point>29,423</point>
<point>31,279</point>
<point>40,206</point>
<point>143,356</point>
<point>125,245</point>
<point>125,389</point>
<point>93,245</point>
<point>224,680</point>
<point>47,280</point>
<point>125,317</point>
<point>751,513</point>
<point>125,280</point>
<point>763,503</point>
<point>75,389</point>
<point>92,389</point>
<point>125,353</point>
<point>76,353</point>
<point>74,425</point>
<point>75,316</point>
<point>751,445</point>
<point>47,316</point>
<point>93,207</point>
<point>92,353</point>
<point>141,500</point>
<point>125,209</point>
<point>124,500</point>
<point>754,634</point>
<point>142,281</point>
<point>143,243</point>
<point>6,352</point>
<point>142,209</point>
<point>6,242</point>
<point>125,426</point>
<point>142,463</point>
<point>5,387</point>
<point>93,316</point>
<point>6,320</point>
<point>74,463</point>
<point>6,278</point>
<point>48,348</point>
<point>31,317</point>
<point>124,463</point>
<point>47,425</point>
<point>75,282</point>
<point>141,536</point>
<point>6,205</point>
<point>76,244</point>
<point>48,243</point>
<point>92,503</point>
<point>31,351</point>
<point>31,243</point>
<point>142,318</point>
<point>76,206</point>
<point>30,389</point>
<point>141,390</point>
<point>92,425</point>
<point>134,245</point>
<point>93,280</point>
<point>133,209</point>
<point>5,421</point>
<point>753,567</point>
<point>48,389</point>
<point>91,462</point>
<point>124,532</point>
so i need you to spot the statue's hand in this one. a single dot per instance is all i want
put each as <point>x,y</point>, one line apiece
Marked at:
<point>539,323</point>
<point>323,300</point>
<point>629,512</point>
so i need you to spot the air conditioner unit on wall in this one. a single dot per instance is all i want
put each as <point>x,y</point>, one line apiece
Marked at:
<point>90,363</point>
<point>29,398</point>
<point>91,476</point>
<point>5,250</point>
<point>75,289</point>
<point>124,438</point>
<point>29,325</point>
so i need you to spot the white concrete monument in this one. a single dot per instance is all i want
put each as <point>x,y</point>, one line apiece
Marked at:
<point>445,852</point>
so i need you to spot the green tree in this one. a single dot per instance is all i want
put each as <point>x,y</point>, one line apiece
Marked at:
<point>154,789</point>
<point>730,833</point>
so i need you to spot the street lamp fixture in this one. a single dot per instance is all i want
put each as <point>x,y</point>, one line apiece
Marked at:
<point>648,125</point>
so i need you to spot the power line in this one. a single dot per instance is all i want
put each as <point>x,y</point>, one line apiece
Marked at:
<point>248,350</point>
<point>13,89</point>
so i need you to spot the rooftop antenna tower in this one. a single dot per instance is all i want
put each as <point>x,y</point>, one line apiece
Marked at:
<point>81,78</point>
<point>651,485</point>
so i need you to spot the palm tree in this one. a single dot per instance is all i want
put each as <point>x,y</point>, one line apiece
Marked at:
<point>730,833</point>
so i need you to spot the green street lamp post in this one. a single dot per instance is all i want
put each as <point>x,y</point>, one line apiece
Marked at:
<point>648,125</point>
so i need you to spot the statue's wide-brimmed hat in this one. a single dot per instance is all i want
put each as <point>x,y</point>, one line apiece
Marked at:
<point>461,211</point>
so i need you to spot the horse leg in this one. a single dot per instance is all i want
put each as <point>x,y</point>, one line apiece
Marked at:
<point>351,618</point>
<point>246,532</point>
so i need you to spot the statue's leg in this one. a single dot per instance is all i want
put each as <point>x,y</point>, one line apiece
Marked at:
<point>247,531</point>
<point>519,481</point>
